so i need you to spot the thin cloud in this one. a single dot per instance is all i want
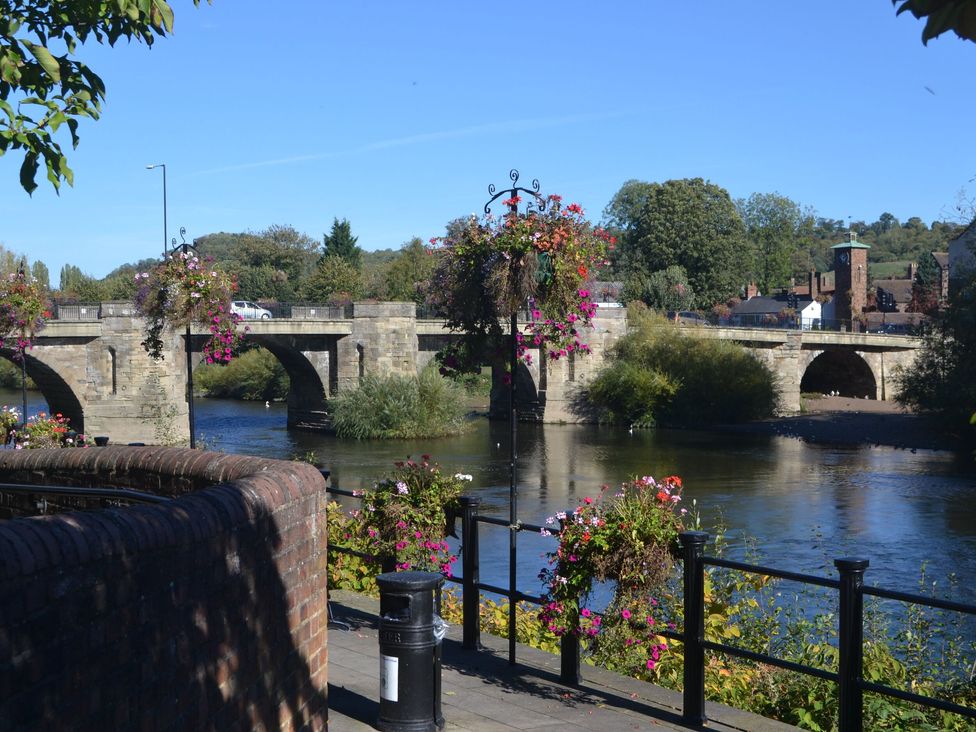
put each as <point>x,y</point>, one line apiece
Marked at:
<point>522,125</point>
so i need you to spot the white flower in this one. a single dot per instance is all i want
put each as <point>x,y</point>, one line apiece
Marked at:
<point>561,515</point>
<point>402,488</point>
<point>463,476</point>
<point>545,532</point>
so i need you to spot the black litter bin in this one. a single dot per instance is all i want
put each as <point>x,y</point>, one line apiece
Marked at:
<point>410,658</point>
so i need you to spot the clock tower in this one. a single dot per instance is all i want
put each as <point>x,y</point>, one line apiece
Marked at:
<point>850,279</point>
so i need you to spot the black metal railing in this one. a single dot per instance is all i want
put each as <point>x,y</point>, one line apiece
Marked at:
<point>849,586</point>
<point>28,499</point>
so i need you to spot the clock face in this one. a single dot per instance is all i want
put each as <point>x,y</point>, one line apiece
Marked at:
<point>845,257</point>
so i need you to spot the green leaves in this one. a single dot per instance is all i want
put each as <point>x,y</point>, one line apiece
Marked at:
<point>942,15</point>
<point>45,59</point>
<point>63,86</point>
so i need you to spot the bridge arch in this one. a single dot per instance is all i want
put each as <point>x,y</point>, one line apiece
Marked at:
<point>844,371</point>
<point>311,376</point>
<point>55,390</point>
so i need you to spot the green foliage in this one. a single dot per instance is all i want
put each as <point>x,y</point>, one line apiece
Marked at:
<point>340,242</point>
<point>692,380</point>
<point>427,405</point>
<point>690,223</point>
<point>940,16</point>
<point>10,374</point>
<point>942,379</point>
<point>41,91</point>
<point>255,375</point>
<point>774,225</point>
<point>334,281</point>
<point>408,275</point>
<point>926,288</point>
<point>631,393</point>
<point>666,289</point>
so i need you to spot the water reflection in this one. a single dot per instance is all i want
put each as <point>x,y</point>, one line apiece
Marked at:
<point>804,504</point>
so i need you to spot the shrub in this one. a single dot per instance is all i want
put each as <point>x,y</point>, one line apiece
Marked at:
<point>713,381</point>
<point>631,394</point>
<point>392,407</point>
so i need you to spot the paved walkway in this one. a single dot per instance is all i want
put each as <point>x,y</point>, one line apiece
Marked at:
<point>481,692</point>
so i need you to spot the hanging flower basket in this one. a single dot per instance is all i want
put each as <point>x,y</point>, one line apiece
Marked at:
<point>626,541</point>
<point>181,291</point>
<point>538,259</point>
<point>23,311</point>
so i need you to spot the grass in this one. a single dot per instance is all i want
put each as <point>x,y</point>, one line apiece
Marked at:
<point>400,407</point>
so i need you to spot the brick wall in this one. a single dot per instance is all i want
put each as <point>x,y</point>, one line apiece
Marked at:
<point>204,613</point>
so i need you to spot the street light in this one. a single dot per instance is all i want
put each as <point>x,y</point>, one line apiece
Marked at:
<point>163,166</point>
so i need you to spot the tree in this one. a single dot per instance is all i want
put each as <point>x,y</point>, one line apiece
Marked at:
<point>773,224</point>
<point>942,378</point>
<point>942,15</point>
<point>926,290</point>
<point>688,222</point>
<point>340,242</point>
<point>41,275</point>
<point>335,280</point>
<point>666,289</point>
<point>40,91</point>
<point>409,272</point>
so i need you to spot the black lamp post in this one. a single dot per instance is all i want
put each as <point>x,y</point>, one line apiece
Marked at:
<point>22,273</point>
<point>163,166</point>
<point>535,200</point>
<point>185,249</point>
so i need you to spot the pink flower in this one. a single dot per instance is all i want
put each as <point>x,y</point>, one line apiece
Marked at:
<point>625,614</point>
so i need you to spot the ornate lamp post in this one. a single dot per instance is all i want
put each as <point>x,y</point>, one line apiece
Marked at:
<point>165,235</point>
<point>186,249</point>
<point>534,200</point>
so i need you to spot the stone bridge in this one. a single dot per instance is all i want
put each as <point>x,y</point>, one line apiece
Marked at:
<point>91,366</point>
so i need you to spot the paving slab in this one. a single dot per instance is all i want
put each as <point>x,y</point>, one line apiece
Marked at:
<point>482,692</point>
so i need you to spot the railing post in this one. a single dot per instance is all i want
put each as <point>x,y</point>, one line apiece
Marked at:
<point>569,659</point>
<point>471,569</point>
<point>850,642</point>
<point>569,646</point>
<point>693,704</point>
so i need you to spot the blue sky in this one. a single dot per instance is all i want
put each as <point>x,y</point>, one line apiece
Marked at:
<point>397,116</point>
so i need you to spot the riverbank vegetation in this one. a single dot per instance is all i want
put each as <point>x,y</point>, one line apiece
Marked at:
<point>660,374</point>
<point>905,647</point>
<point>942,380</point>
<point>399,407</point>
<point>255,375</point>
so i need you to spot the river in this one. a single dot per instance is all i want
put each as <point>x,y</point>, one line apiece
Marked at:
<point>801,505</point>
